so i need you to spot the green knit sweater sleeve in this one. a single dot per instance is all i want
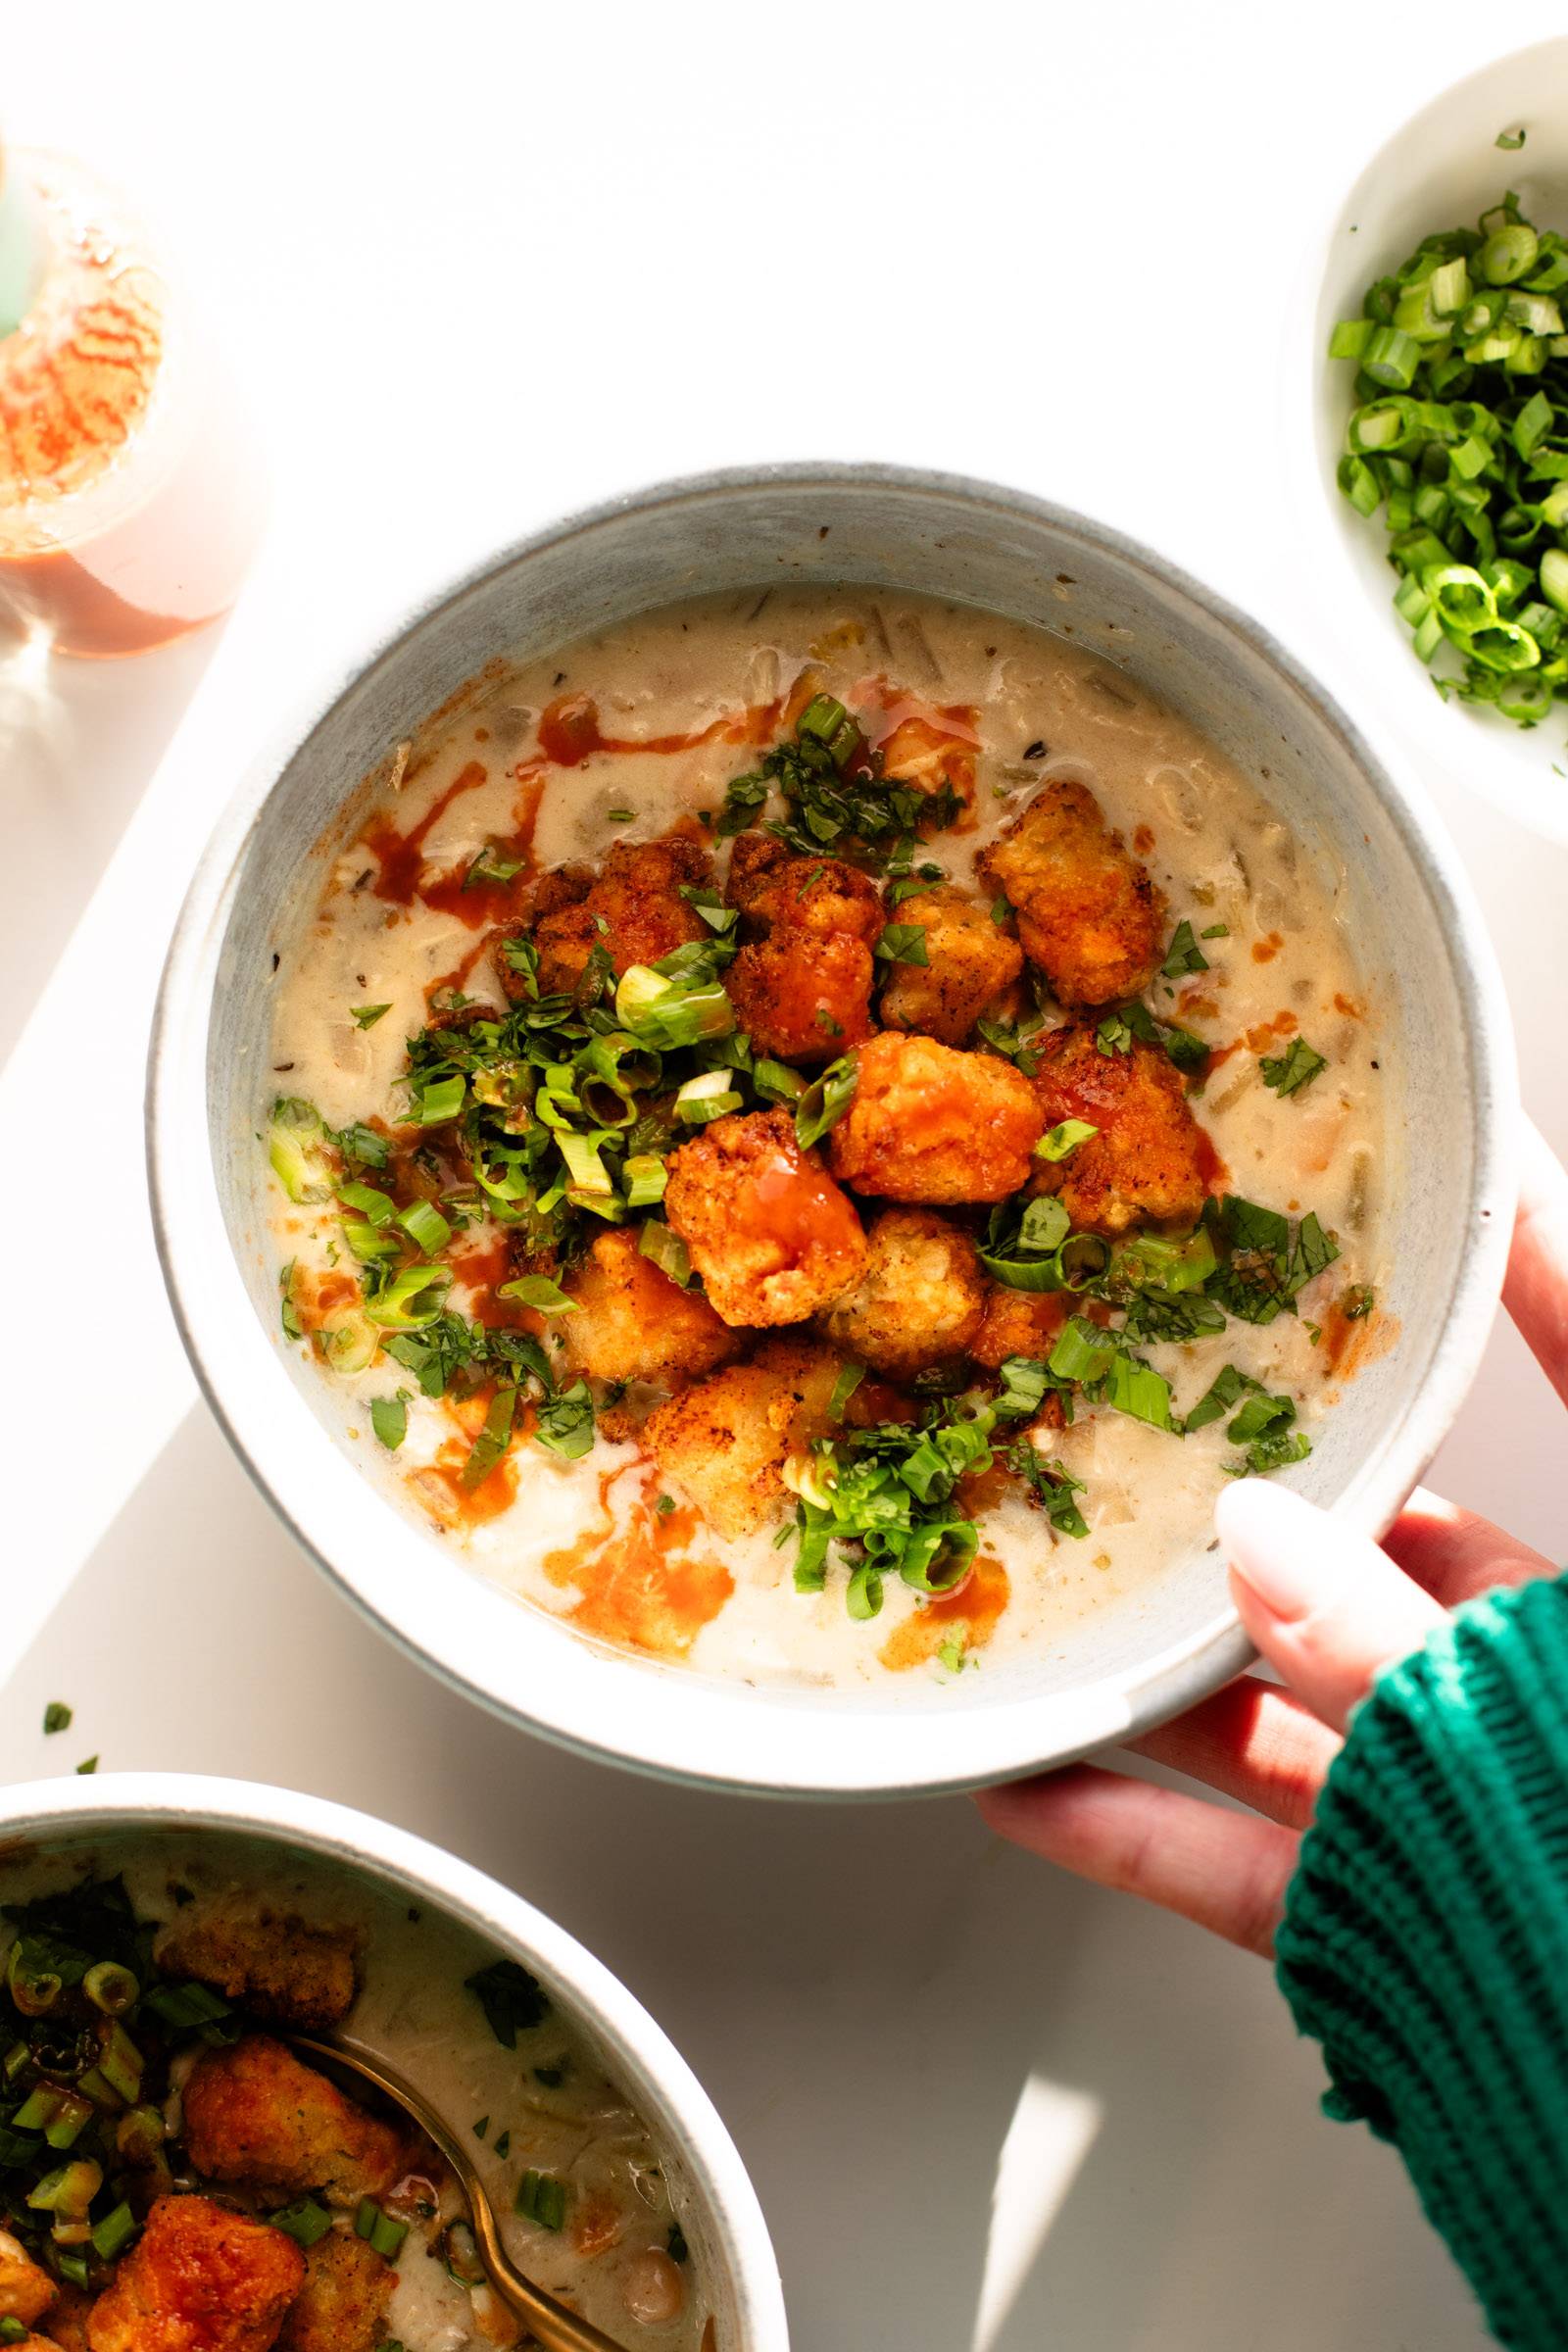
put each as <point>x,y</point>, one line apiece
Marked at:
<point>1425,1943</point>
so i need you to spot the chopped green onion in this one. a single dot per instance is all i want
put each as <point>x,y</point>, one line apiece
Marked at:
<point>668,1013</point>
<point>305,2222</point>
<point>863,1597</point>
<point>298,1150</point>
<point>1064,1137</point>
<point>376,1208</point>
<point>110,1988</point>
<point>437,1100</point>
<point>348,1340</point>
<point>538,1290</point>
<point>617,816</point>
<point>776,1082</point>
<point>426,1228</point>
<point>645,1177</point>
<point>709,1095</point>
<point>187,2007</point>
<point>542,2198</point>
<point>656,1241</point>
<point>383,2234</point>
<point>365,1017</point>
<point>68,2190</point>
<point>826,1100</point>
<point>849,1380</point>
<point>113,2234</point>
<point>412,1298</point>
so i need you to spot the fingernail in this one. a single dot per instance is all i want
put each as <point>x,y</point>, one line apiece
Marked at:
<point>1279,1546</point>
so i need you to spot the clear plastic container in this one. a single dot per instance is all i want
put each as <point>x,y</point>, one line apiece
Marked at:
<point>129,499</point>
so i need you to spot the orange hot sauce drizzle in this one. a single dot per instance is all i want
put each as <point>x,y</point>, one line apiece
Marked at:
<point>568,734</point>
<point>637,1585</point>
<point>973,1612</point>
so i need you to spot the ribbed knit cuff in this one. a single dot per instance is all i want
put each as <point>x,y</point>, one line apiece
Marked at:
<point>1425,1943</point>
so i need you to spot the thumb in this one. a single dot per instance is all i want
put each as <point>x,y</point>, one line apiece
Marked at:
<point>1325,1606</point>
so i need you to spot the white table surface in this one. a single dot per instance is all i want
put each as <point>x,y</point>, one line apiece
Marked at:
<point>481,265</point>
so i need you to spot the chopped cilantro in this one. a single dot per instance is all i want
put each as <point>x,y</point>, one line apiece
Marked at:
<point>1184,954</point>
<point>1287,1072</point>
<point>511,1999</point>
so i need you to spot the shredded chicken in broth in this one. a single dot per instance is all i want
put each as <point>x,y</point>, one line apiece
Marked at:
<point>814,1130</point>
<point>175,2171</point>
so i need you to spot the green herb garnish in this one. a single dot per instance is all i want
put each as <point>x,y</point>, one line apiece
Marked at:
<point>1287,1072</point>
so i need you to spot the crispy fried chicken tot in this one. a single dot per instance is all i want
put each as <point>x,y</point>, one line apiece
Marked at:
<point>725,1442</point>
<point>199,2278</point>
<point>1149,1162</point>
<point>273,1964</point>
<point>255,2114</point>
<point>634,906</point>
<point>919,1297</point>
<point>1089,916</point>
<point>970,961</point>
<point>25,2289</point>
<point>929,1124</point>
<point>1017,1323</point>
<point>768,1230</point>
<point>801,998</point>
<point>342,2305</point>
<point>777,889</point>
<point>633,1323</point>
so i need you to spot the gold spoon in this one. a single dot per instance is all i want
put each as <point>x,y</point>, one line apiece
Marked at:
<point>551,2325</point>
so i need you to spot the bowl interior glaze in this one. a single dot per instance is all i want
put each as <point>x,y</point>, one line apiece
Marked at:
<point>1419,944</point>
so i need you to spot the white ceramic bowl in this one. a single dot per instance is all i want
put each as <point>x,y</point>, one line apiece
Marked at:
<point>1440,170</point>
<point>104,1818</point>
<point>1422,947</point>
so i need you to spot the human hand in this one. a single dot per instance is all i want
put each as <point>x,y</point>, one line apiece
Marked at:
<point>1328,1609</point>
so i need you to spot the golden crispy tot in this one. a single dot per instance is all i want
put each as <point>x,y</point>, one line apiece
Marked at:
<point>633,1323</point>
<point>199,2278</point>
<point>342,2305</point>
<point>1017,1323</point>
<point>254,2115</point>
<point>919,1297</point>
<point>970,961</point>
<point>778,889</point>
<point>67,2324</point>
<point>1151,1160</point>
<point>1089,916</point>
<point>270,1963</point>
<point>930,1124</point>
<point>26,2290</point>
<point>634,909</point>
<point>767,1229</point>
<point>801,998</point>
<point>725,1442</point>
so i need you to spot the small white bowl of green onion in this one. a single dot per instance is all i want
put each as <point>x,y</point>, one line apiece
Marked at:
<point>1439,375</point>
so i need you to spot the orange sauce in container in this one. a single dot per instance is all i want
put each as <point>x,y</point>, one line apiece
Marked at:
<point>127,514</point>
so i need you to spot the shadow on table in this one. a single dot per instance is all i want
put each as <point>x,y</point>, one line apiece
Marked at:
<point>80,742</point>
<point>881,2000</point>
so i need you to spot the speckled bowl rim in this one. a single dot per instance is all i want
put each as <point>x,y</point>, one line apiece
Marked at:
<point>641,2059</point>
<point>718,1735</point>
